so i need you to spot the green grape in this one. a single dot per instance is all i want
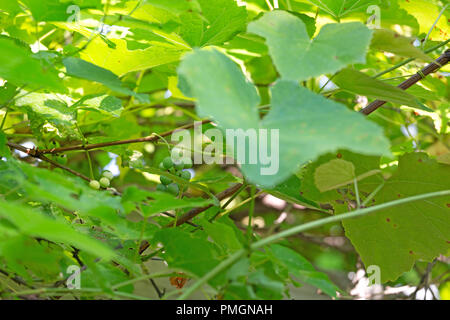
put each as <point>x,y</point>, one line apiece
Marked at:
<point>94,184</point>
<point>179,165</point>
<point>173,188</point>
<point>161,187</point>
<point>104,182</point>
<point>108,174</point>
<point>167,163</point>
<point>164,180</point>
<point>186,175</point>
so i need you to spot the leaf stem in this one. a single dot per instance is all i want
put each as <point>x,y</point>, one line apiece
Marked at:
<point>4,118</point>
<point>91,170</point>
<point>358,200</point>
<point>373,194</point>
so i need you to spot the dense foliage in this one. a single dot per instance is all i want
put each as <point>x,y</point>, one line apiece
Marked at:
<point>92,90</point>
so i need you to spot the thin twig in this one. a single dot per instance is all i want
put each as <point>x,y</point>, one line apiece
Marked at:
<point>149,138</point>
<point>430,68</point>
<point>35,154</point>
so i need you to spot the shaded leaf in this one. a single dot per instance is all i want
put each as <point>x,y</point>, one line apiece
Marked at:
<point>395,238</point>
<point>359,83</point>
<point>19,67</point>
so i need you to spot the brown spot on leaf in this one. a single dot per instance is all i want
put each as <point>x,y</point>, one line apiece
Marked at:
<point>411,252</point>
<point>388,220</point>
<point>339,155</point>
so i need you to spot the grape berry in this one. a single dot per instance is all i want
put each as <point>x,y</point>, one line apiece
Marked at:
<point>104,181</point>
<point>167,185</point>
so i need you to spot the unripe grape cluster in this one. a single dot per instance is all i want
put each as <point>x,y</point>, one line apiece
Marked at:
<point>167,185</point>
<point>104,181</point>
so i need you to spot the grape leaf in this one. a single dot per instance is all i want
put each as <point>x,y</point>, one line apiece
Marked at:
<point>297,57</point>
<point>289,190</point>
<point>339,8</point>
<point>18,66</point>
<point>82,69</point>
<point>301,268</point>
<point>395,238</point>
<point>359,83</point>
<point>338,173</point>
<point>47,10</point>
<point>185,251</point>
<point>333,174</point>
<point>34,223</point>
<point>217,22</point>
<point>10,6</point>
<point>426,13</point>
<point>390,41</point>
<point>4,150</point>
<point>224,233</point>
<point>119,59</point>
<point>363,164</point>
<point>159,201</point>
<point>308,124</point>
<point>102,103</point>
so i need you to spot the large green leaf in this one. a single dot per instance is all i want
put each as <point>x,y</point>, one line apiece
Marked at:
<point>34,223</point>
<point>387,40</point>
<point>4,150</point>
<point>50,108</point>
<point>116,57</point>
<point>308,124</point>
<point>301,268</point>
<point>339,8</point>
<point>82,69</point>
<point>10,6</point>
<point>160,201</point>
<point>297,57</point>
<point>226,235</point>
<point>337,173</point>
<point>18,66</point>
<point>289,190</point>
<point>364,166</point>
<point>186,252</point>
<point>426,13</point>
<point>102,103</point>
<point>359,83</point>
<point>47,10</point>
<point>394,239</point>
<point>216,22</point>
